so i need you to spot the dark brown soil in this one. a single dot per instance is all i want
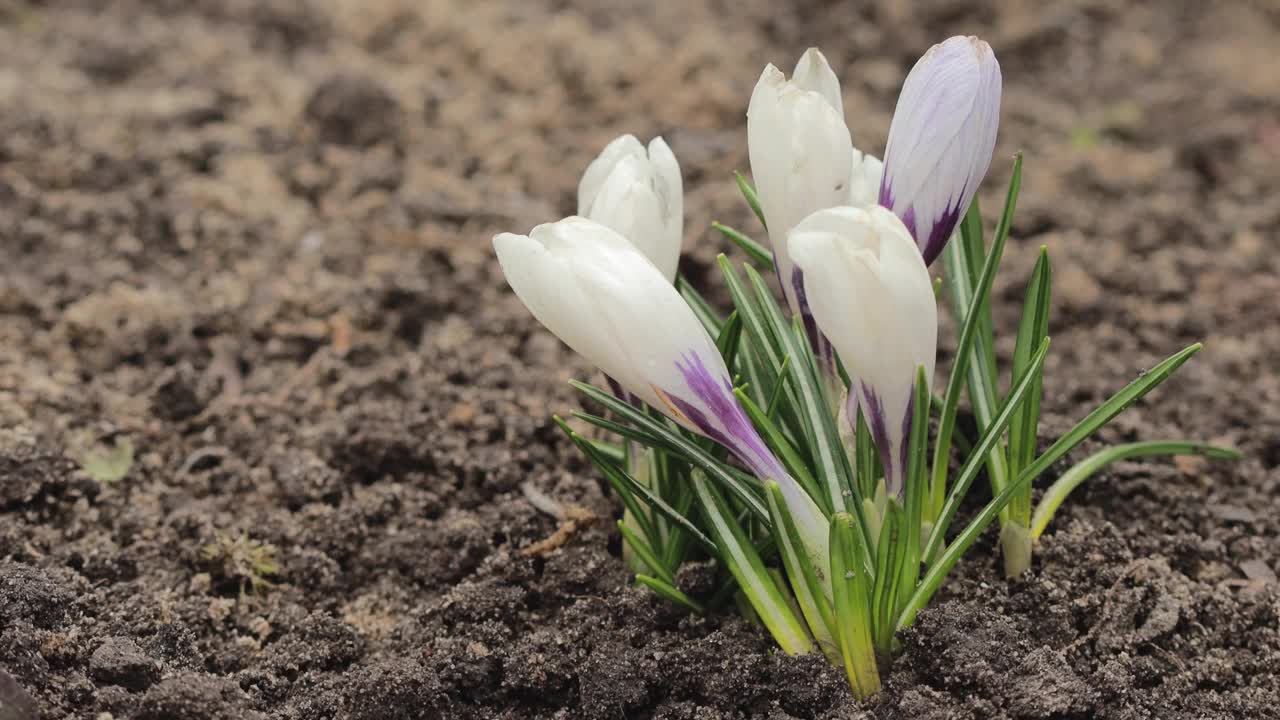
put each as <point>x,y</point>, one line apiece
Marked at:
<point>251,238</point>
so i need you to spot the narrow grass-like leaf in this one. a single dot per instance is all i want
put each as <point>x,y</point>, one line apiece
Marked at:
<point>775,395</point>
<point>916,491</point>
<point>1032,329</point>
<point>783,448</point>
<point>614,452</point>
<point>729,339</point>
<point>674,442</point>
<point>631,491</point>
<point>749,193</point>
<point>645,553</point>
<point>612,473</point>
<point>744,564</point>
<point>867,458</point>
<point>670,592</point>
<point>831,462</point>
<point>807,582</point>
<point>1083,470</point>
<point>1104,413</point>
<point>756,252</point>
<point>975,356</point>
<point>851,587</point>
<point>767,349</point>
<point>973,463</point>
<point>889,553</point>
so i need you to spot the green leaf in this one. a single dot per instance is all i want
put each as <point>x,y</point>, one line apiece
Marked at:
<point>973,463</point>
<point>851,587</point>
<point>1116,404</point>
<point>749,193</point>
<point>783,449</point>
<point>916,488</point>
<point>645,553</point>
<point>1084,469</point>
<point>975,355</point>
<point>1032,330</point>
<point>628,488</point>
<point>729,339</point>
<point>775,395</point>
<point>672,441</point>
<point>889,555</point>
<point>807,581</point>
<point>765,348</point>
<point>615,474</point>
<point>758,254</point>
<point>670,592</point>
<point>744,564</point>
<point>813,405</point>
<point>866,457</point>
<point>614,452</point>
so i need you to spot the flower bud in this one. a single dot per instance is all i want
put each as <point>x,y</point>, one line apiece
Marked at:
<point>800,153</point>
<point>871,295</point>
<point>941,139</point>
<point>638,194</point>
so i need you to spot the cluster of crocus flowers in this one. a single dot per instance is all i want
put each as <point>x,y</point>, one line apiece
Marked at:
<point>736,446</point>
<point>852,239</point>
<point>855,272</point>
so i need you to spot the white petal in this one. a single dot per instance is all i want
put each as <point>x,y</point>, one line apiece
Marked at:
<point>870,292</point>
<point>629,204</point>
<point>670,187</point>
<point>801,156</point>
<point>596,173</point>
<point>815,74</point>
<point>864,179</point>
<point>545,284</point>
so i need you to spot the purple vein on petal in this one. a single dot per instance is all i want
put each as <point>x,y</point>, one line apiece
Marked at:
<point>939,233</point>
<point>905,449</point>
<point>728,425</point>
<point>886,190</point>
<point>822,348</point>
<point>876,421</point>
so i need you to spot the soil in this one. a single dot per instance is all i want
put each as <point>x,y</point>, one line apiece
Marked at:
<point>249,240</point>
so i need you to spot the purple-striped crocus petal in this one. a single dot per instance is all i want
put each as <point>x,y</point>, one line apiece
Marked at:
<point>941,139</point>
<point>894,447</point>
<point>715,412</point>
<point>822,349</point>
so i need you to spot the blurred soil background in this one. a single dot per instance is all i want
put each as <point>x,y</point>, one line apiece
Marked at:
<point>267,405</point>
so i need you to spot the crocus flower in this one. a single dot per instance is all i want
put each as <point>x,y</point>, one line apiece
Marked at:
<point>870,292</point>
<point>801,154</point>
<point>639,194</point>
<point>941,139</point>
<point>600,294</point>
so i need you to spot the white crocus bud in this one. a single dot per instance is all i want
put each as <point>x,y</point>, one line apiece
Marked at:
<point>941,139</point>
<point>870,292</point>
<point>864,180</point>
<point>595,290</point>
<point>800,153</point>
<point>639,194</point>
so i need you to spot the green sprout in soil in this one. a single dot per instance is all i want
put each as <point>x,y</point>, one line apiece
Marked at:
<point>108,464</point>
<point>241,560</point>
<point>790,441</point>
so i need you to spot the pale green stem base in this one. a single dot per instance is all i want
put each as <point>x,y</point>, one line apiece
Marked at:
<point>1015,547</point>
